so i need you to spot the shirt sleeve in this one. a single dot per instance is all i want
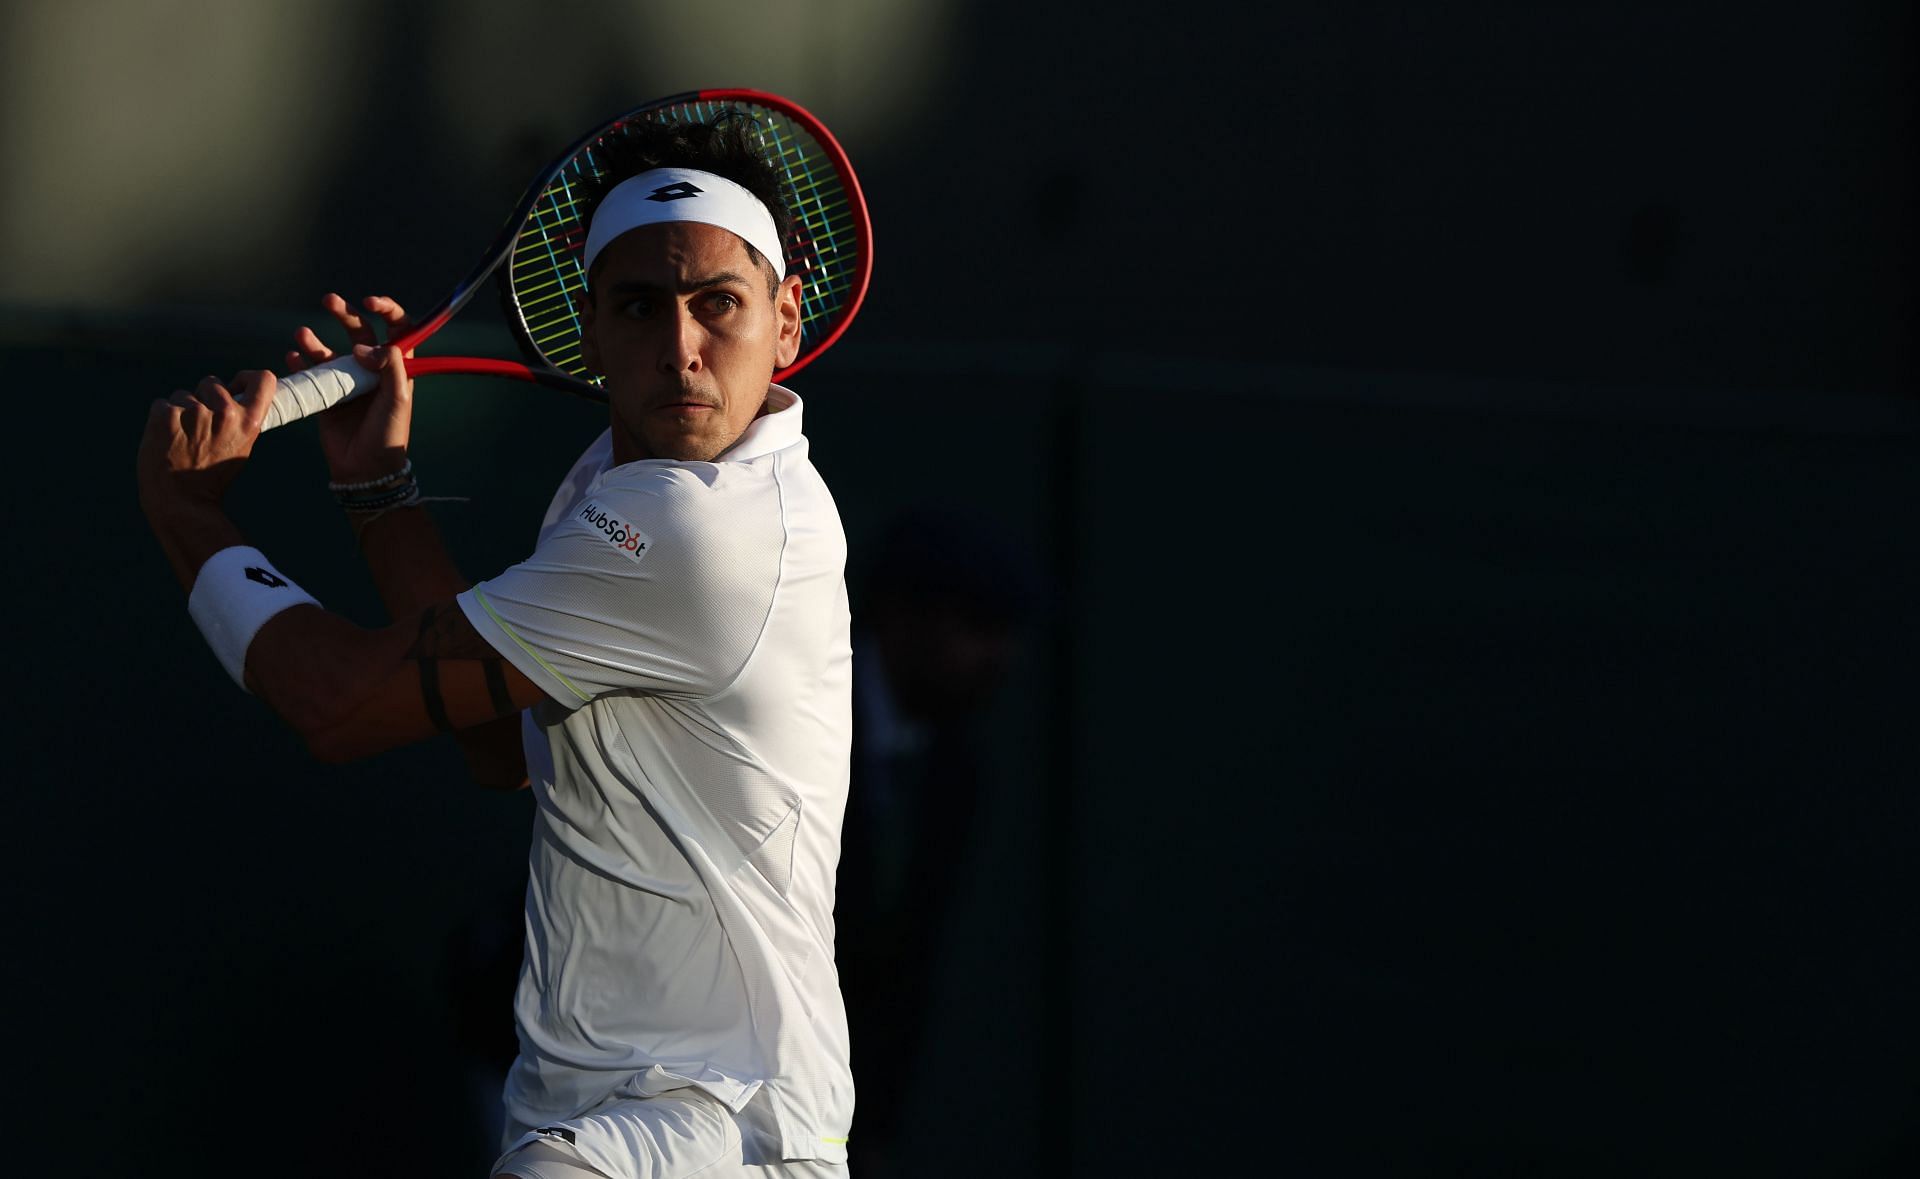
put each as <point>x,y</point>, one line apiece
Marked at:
<point>660,584</point>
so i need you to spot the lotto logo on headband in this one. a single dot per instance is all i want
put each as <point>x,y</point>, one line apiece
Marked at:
<point>678,190</point>
<point>660,195</point>
<point>632,543</point>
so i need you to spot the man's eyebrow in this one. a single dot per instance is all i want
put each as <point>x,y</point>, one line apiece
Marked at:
<point>640,286</point>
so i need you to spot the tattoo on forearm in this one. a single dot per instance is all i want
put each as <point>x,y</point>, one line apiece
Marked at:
<point>497,688</point>
<point>445,634</point>
<point>430,694</point>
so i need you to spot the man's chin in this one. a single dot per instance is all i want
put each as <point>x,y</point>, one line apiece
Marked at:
<point>685,446</point>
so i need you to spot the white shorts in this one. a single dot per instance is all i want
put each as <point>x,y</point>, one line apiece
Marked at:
<point>676,1135</point>
<point>538,1160</point>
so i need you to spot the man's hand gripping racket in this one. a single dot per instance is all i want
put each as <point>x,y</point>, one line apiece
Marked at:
<point>369,438</point>
<point>537,258</point>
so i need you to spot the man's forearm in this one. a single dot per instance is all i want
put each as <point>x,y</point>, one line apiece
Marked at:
<point>189,533</point>
<point>411,568</point>
<point>408,561</point>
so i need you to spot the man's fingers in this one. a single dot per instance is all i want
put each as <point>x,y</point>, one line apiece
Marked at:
<point>390,363</point>
<point>255,391</point>
<point>163,424</point>
<point>246,384</point>
<point>227,396</point>
<point>360,328</point>
<point>251,393</point>
<point>311,350</point>
<point>357,327</point>
<point>211,393</point>
<point>191,417</point>
<point>395,398</point>
<point>387,309</point>
<point>394,315</point>
<point>393,374</point>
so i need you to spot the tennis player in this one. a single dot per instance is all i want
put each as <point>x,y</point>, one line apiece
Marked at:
<point>670,669</point>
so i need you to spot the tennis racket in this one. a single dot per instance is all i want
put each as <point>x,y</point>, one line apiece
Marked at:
<point>538,251</point>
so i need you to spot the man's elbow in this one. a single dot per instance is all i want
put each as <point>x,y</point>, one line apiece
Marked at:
<point>336,730</point>
<point>319,720</point>
<point>332,683</point>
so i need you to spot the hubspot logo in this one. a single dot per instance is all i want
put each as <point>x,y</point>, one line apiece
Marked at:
<point>631,542</point>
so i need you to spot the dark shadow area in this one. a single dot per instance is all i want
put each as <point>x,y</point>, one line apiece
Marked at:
<point>944,607</point>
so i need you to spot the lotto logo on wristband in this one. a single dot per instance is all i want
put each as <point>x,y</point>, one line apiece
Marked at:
<point>631,542</point>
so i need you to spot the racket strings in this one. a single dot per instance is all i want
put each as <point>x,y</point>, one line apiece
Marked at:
<point>545,278</point>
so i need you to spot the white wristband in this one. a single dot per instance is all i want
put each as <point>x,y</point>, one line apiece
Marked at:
<point>237,590</point>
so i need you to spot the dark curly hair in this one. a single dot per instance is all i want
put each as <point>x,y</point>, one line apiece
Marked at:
<point>725,147</point>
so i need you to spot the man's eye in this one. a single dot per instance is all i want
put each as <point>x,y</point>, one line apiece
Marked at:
<point>720,301</point>
<point>637,308</point>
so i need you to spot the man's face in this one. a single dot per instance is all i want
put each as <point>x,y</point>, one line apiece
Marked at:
<point>680,322</point>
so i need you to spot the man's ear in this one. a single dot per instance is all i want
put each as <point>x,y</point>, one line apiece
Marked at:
<point>786,313</point>
<point>589,347</point>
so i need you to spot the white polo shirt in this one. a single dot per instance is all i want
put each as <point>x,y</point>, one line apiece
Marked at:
<point>688,622</point>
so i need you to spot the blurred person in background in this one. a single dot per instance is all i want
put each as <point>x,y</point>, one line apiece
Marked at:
<point>940,620</point>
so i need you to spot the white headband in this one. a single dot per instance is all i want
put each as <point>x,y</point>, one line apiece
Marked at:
<point>684,194</point>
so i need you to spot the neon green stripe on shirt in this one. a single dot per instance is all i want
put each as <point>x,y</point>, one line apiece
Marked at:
<point>521,643</point>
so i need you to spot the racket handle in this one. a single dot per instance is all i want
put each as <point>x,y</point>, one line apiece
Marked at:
<point>321,387</point>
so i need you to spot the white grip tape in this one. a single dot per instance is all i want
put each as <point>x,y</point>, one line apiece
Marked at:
<point>323,386</point>
<point>235,593</point>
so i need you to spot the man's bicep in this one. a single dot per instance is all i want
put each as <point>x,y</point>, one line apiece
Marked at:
<point>448,679</point>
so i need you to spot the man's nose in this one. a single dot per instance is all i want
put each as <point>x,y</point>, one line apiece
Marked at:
<point>680,349</point>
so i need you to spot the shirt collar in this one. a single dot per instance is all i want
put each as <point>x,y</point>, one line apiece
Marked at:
<point>776,429</point>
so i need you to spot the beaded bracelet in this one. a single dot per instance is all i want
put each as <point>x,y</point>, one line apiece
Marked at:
<point>367,501</point>
<point>399,476</point>
<point>403,495</point>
